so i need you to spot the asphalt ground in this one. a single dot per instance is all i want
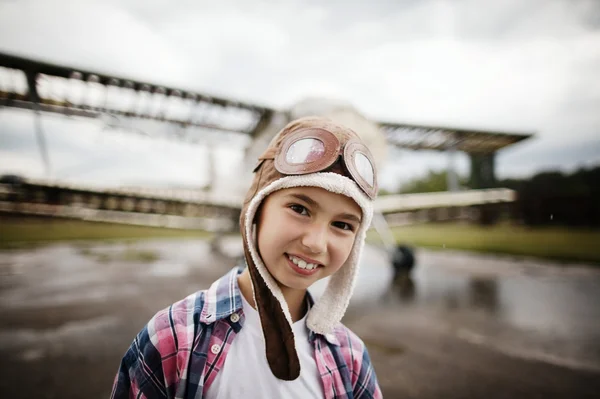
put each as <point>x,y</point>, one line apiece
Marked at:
<point>461,326</point>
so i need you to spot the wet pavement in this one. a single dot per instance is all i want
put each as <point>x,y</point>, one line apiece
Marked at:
<point>462,326</point>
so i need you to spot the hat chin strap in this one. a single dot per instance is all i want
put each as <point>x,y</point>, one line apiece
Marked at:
<point>277,330</point>
<point>327,312</point>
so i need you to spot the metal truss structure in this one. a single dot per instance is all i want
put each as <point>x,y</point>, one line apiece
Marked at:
<point>445,138</point>
<point>140,107</point>
<point>41,86</point>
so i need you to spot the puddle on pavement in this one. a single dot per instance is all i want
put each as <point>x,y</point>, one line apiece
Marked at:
<point>537,304</point>
<point>545,311</point>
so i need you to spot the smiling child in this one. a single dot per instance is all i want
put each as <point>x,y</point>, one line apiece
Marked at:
<point>256,332</point>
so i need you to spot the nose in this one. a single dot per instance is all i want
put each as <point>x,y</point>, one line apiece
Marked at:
<point>314,238</point>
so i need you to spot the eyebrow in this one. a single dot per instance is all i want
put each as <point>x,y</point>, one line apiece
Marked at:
<point>311,202</point>
<point>350,216</point>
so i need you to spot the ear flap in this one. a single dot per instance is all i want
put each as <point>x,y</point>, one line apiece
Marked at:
<point>279,337</point>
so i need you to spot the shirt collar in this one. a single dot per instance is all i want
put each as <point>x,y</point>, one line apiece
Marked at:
<point>223,298</point>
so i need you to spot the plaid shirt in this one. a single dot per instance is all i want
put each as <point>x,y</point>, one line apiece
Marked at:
<point>180,351</point>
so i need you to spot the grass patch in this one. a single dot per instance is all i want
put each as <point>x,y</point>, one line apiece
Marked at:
<point>26,232</point>
<point>139,256</point>
<point>557,243</point>
<point>384,348</point>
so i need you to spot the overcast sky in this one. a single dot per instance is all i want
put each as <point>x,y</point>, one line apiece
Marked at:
<point>516,65</point>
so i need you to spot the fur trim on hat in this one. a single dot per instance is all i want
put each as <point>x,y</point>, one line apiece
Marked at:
<point>331,306</point>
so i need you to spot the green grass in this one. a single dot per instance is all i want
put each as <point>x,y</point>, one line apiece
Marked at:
<point>558,243</point>
<point>34,231</point>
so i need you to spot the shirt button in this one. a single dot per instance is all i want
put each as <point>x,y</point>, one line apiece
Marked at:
<point>234,317</point>
<point>215,349</point>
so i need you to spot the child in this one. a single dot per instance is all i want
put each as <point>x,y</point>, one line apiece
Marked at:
<point>257,333</point>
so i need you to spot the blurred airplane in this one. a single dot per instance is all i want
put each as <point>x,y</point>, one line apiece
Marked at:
<point>159,111</point>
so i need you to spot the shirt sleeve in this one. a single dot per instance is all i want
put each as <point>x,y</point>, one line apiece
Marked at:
<point>366,385</point>
<point>140,373</point>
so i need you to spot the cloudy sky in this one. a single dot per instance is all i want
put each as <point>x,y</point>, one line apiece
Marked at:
<point>509,65</point>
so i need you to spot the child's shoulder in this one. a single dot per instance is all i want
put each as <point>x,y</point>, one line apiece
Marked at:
<point>186,311</point>
<point>346,338</point>
<point>200,307</point>
<point>351,347</point>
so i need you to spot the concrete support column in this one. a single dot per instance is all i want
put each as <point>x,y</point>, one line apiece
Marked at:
<point>451,177</point>
<point>483,173</point>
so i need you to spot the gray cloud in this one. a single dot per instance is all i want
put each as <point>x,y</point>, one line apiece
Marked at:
<point>502,65</point>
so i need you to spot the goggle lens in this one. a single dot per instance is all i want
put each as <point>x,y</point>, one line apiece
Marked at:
<point>305,151</point>
<point>314,150</point>
<point>364,168</point>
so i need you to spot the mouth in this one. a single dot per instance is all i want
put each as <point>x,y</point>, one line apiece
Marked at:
<point>302,267</point>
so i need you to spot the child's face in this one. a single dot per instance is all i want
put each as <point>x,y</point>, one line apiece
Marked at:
<point>306,225</point>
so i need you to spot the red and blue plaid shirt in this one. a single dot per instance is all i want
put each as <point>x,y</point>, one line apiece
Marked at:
<point>180,351</point>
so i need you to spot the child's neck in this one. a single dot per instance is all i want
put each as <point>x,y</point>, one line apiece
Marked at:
<point>295,299</point>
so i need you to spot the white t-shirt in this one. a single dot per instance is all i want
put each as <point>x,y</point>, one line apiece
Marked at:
<point>246,373</point>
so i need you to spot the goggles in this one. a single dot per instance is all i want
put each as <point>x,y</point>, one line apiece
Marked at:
<point>314,150</point>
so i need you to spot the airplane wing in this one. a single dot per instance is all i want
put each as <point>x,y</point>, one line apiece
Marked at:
<point>38,85</point>
<point>41,86</point>
<point>178,208</point>
<point>422,137</point>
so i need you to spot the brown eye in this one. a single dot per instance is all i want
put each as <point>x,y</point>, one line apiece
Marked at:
<point>299,209</point>
<point>343,226</point>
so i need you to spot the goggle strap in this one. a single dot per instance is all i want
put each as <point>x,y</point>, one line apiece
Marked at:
<point>268,154</point>
<point>258,165</point>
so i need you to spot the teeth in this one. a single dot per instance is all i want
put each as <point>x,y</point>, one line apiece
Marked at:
<point>302,264</point>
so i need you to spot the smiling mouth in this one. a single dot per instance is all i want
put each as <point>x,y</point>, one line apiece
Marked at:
<point>301,266</point>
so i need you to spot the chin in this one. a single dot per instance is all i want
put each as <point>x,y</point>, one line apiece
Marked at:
<point>295,282</point>
<point>304,285</point>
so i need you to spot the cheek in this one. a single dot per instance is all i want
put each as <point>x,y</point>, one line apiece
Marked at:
<point>342,252</point>
<point>271,241</point>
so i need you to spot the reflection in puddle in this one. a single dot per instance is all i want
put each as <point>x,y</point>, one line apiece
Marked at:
<point>483,294</point>
<point>527,307</point>
<point>169,269</point>
<point>403,287</point>
<point>549,313</point>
